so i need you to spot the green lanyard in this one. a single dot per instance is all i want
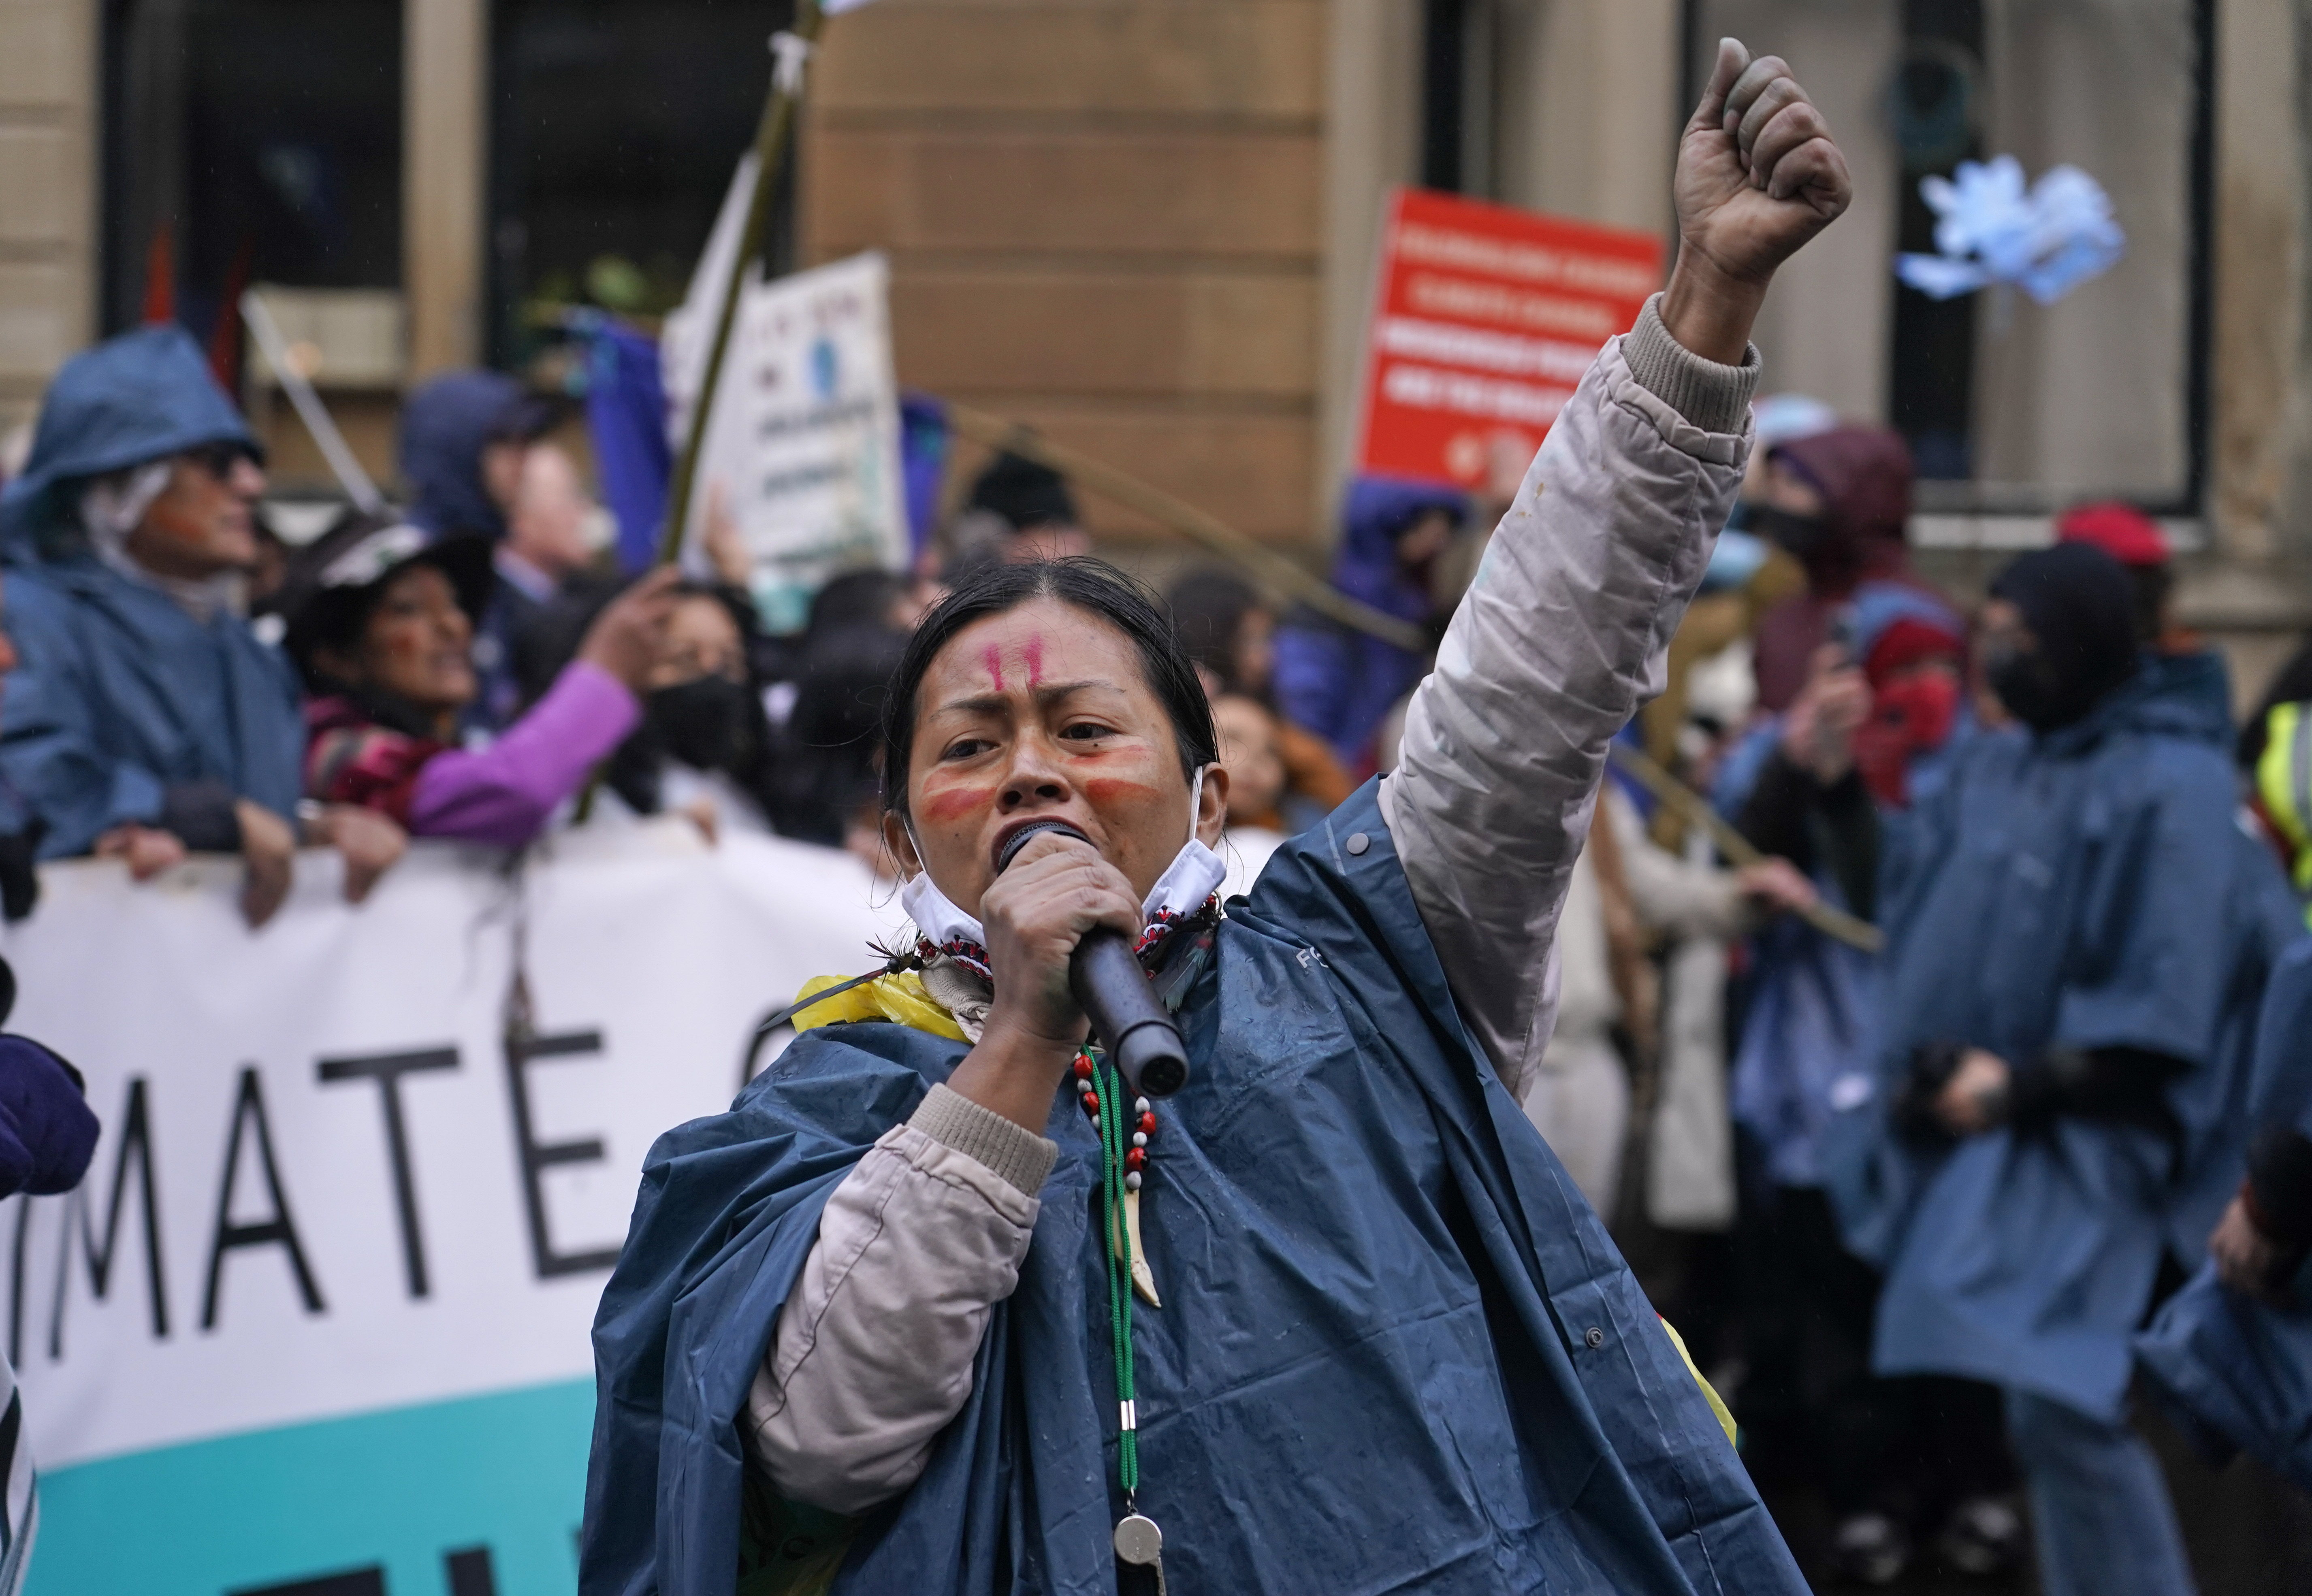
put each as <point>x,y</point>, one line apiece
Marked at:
<point>1115,1136</point>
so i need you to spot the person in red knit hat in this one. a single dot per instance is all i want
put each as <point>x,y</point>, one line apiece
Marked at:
<point>2133,539</point>
<point>2180,657</point>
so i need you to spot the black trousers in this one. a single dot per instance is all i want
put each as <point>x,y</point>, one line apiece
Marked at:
<point>1813,1414</point>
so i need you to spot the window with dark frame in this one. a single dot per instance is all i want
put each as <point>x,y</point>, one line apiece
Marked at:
<point>247,141</point>
<point>615,125</point>
<point>2012,407</point>
<point>1932,101</point>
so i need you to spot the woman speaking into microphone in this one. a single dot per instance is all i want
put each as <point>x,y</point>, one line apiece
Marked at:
<point>942,1304</point>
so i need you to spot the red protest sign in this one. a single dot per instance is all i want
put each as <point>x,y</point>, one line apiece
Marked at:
<point>1486,320</point>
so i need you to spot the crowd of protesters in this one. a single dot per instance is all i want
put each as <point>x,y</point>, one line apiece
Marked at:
<point>1939,1186</point>
<point>1970,1164</point>
<point>469,668</point>
<point>463,670</point>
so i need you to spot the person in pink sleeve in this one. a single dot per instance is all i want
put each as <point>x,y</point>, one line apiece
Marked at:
<point>380,622</point>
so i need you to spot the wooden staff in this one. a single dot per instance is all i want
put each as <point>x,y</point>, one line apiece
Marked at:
<point>1831,922</point>
<point>1271,567</point>
<point>771,137</point>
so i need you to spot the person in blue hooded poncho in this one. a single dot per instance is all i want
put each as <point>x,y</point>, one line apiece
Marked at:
<point>477,462</point>
<point>2077,934</point>
<point>145,719</point>
<point>2231,1353</point>
<point>937,1306</point>
<point>463,436</point>
<point>1873,729</point>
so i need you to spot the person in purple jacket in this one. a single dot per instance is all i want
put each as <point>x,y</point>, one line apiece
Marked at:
<point>380,622</point>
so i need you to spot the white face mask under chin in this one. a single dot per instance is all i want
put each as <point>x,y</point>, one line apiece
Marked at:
<point>1193,875</point>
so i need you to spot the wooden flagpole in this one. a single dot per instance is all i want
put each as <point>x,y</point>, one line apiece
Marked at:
<point>772,138</point>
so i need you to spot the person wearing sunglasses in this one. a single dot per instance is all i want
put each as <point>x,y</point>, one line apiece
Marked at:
<point>146,721</point>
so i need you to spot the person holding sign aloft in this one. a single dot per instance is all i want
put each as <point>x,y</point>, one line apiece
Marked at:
<point>942,1305</point>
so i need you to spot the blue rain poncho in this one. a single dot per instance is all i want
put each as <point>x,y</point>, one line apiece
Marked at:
<point>1339,683</point>
<point>120,695</point>
<point>1397,1351</point>
<point>2238,1372</point>
<point>1804,1053</point>
<point>2086,888</point>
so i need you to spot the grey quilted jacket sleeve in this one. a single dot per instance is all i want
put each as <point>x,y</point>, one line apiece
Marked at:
<point>1561,638</point>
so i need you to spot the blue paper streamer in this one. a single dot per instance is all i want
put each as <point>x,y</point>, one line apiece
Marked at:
<point>2045,241</point>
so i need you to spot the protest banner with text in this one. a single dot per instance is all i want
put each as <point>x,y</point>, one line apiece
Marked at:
<point>317,1319</point>
<point>1484,318</point>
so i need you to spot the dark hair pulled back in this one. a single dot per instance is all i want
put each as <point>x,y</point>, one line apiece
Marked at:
<point>1090,585</point>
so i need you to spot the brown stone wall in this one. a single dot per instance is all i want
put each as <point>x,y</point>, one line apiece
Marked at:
<point>1103,217</point>
<point>48,214</point>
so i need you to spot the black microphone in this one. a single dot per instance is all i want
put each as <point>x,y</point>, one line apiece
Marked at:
<point>1111,988</point>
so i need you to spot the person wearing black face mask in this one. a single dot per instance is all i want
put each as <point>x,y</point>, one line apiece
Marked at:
<point>2058,634</point>
<point>705,722</point>
<point>2077,939</point>
<point>703,744</point>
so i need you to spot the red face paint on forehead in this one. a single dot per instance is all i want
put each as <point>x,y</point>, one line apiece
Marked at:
<point>994,659</point>
<point>1035,652</point>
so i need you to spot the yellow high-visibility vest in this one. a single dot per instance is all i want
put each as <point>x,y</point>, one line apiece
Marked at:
<point>2283,783</point>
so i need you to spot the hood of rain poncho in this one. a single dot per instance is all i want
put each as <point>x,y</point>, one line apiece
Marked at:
<point>2081,607</point>
<point>1376,513</point>
<point>1397,1350</point>
<point>2190,695</point>
<point>1338,683</point>
<point>1877,608</point>
<point>143,396</point>
<point>444,426</point>
<point>1863,474</point>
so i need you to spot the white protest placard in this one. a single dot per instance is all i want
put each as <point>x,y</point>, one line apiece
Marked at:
<point>802,438</point>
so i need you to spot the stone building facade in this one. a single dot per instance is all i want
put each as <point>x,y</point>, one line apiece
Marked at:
<point>1148,225</point>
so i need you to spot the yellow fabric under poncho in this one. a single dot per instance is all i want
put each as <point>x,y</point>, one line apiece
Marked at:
<point>900,998</point>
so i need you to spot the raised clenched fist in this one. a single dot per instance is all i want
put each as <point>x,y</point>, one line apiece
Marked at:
<point>1757,173</point>
<point>1757,176</point>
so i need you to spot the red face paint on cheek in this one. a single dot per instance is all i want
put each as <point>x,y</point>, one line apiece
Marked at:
<point>956,802</point>
<point>1107,790</point>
